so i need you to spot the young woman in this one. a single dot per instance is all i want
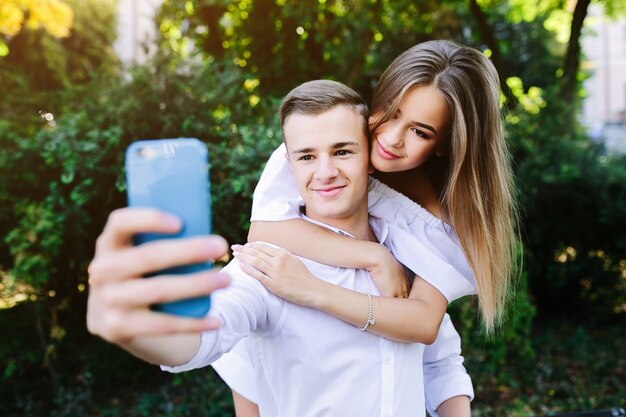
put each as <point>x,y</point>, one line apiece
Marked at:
<point>444,176</point>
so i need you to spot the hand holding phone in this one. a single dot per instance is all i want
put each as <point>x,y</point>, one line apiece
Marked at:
<point>172,175</point>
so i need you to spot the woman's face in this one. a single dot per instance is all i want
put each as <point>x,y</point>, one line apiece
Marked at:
<point>414,133</point>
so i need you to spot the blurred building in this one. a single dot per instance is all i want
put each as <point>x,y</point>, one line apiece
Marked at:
<point>604,108</point>
<point>136,29</point>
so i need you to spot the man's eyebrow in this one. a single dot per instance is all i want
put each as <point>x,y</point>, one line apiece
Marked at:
<point>336,145</point>
<point>424,125</point>
<point>345,144</point>
<point>308,149</point>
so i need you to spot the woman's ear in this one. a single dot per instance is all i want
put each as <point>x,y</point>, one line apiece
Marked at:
<point>443,147</point>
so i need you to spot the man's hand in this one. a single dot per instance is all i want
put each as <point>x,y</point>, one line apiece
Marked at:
<point>118,308</point>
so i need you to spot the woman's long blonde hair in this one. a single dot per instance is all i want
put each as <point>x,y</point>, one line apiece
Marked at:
<point>477,190</point>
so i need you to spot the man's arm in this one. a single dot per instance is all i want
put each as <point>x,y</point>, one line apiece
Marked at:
<point>458,406</point>
<point>244,407</point>
<point>118,308</point>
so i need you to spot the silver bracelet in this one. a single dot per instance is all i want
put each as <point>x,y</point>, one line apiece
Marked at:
<point>370,316</point>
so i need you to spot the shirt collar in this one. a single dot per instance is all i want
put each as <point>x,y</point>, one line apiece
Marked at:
<point>380,227</point>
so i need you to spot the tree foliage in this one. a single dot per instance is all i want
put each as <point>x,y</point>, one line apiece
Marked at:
<point>44,61</point>
<point>53,16</point>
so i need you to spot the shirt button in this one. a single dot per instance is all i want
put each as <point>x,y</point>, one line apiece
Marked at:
<point>387,362</point>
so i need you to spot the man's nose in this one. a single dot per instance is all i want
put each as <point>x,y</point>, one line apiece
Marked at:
<point>326,169</point>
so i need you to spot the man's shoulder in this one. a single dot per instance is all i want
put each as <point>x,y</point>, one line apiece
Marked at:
<point>238,278</point>
<point>317,266</point>
<point>233,268</point>
<point>380,228</point>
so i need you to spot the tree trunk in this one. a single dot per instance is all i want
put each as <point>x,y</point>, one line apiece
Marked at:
<point>489,37</point>
<point>572,56</point>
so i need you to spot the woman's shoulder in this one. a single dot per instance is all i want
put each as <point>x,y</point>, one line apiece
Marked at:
<point>421,241</point>
<point>385,202</point>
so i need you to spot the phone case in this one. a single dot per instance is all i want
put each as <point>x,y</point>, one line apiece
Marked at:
<point>172,175</point>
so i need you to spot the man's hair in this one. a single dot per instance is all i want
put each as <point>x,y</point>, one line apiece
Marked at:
<point>318,96</point>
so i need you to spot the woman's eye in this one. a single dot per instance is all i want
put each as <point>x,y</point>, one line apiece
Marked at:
<point>419,133</point>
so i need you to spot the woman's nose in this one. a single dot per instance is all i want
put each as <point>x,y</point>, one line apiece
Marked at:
<point>391,134</point>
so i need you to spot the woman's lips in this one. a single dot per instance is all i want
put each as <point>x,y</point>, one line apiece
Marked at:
<point>384,152</point>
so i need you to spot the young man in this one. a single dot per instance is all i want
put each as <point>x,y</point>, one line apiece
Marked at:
<point>306,358</point>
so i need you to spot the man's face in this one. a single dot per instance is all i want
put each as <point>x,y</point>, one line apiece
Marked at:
<point>328,155</point>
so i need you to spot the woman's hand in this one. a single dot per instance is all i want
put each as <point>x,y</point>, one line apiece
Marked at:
<point>279,271</point>
<point>388,275</point>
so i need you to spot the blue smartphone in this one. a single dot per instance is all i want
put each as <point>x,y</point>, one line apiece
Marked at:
<point>172,175</point>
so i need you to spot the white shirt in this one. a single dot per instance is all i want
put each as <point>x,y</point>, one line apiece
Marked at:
<point>313,364</point>
<point>422,242</point>
<point>444,374</point>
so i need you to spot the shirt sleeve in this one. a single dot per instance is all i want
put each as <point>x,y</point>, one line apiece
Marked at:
<point>237,370</point>
<point>444,374</point>
<point>276,196</point>
<point>245,306</point>
<point>422,242</point>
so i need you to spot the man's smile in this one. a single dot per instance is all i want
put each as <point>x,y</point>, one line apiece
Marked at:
<point>329,191</point>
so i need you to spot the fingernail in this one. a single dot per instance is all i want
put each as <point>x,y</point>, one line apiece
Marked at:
<point>221,278</point>
<point>235,254</point>
<point>213,322</point>
<point>235,246</point>
<point>172,221</point>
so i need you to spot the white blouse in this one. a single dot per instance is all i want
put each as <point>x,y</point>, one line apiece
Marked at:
<point>422,242</point>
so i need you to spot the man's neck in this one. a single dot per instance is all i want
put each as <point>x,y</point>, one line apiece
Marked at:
<point>356,225</point>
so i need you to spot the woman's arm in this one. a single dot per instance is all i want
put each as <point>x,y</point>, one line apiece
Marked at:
<point>324,246</point>
<point>413,319</point>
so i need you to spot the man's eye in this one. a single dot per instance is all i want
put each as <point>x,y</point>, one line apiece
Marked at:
<point>342,152</point>
<point>306,158</point>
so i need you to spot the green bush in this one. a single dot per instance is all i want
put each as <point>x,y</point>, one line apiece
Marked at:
<point>574,217</point>
<point>58,186</point>
<point>502,358</point>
